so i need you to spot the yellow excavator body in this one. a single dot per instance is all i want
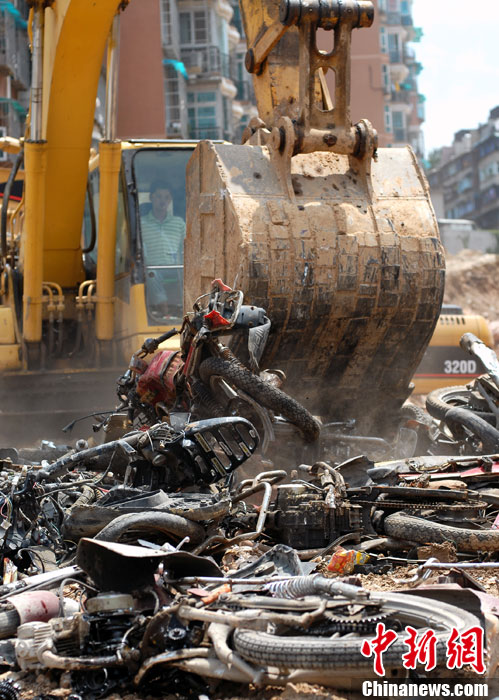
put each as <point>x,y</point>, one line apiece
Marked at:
<point>445,363</point>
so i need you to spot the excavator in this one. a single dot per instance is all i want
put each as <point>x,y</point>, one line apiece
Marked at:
<point>334,236</point>
<point>75,280</point>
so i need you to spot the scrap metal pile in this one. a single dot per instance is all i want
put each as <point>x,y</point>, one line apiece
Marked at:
<point>206,539</point>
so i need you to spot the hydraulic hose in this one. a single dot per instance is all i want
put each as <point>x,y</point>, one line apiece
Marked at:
<point>93,223</point>
<point>5,201</point>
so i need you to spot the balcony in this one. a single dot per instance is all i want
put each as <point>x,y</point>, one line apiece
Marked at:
<point>409,53</point>
<point>394,19</point>
<point>207,62</point>
<point>12,116</point>
<point>407,21</point>
<point>401,97</point>
<point>14,59</point>
<point>398,70</point>
<point>400,135</point>
<point>208,132</point>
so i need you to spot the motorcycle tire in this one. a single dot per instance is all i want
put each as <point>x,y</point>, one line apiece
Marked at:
<point>149,523</point>
<point>263,392</point>
<point>439,400</point>
<point>9,622</point>
<point>343,653</point>
<point>410,411</point>
<point>409,527</point>
<point>456,406</point>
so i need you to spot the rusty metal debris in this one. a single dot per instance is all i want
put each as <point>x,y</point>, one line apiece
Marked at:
<point>185,550</point>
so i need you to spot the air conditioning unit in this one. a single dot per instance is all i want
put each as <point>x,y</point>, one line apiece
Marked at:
<point>3,154</point>
<point>174,129</point>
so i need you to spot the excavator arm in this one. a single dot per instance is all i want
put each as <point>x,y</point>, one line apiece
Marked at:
<point>68,42</point>
<point>336,239</point>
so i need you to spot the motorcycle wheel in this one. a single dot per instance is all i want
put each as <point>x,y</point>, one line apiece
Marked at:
<point>263,392</point>
<point>124,527</point>
<point>409,527</point>
<point>439,400</point>
<point>341,653</point>
<point>9,622</point>
<point>457,407</point>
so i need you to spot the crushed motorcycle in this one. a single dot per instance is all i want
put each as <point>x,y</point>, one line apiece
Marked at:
<point>468,416</point>
<point>207,378</point>
<point>49,506</point>
<point>204,378</point>
<point>172,621</point>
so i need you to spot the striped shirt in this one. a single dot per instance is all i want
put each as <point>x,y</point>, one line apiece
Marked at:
<point>163,241</point>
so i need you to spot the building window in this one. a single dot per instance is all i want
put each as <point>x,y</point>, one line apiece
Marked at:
<point>166,22</point>
<point>202,115</point>
<point>398,126</point>
<point>227,117</point>
<point>386,77</point>
<point>394,48</point>
<point>236,19</point>
<point>173,101</point>
<point>383,40</point>
<point>388,119</point>
<point>194,27</point>
<point>398,120</point>
<point>465,184</point>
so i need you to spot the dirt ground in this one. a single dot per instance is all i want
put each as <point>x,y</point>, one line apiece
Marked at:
<point>472,282</point>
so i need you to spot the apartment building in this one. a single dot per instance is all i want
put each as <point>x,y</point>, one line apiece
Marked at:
<point>14,70</point>
<point>404,105</point>
<point>244,105</point>
<point>199,47</point>
<point>182,72</point>
<point>465,184</point>
<point>177,65</point>
<point>200,76</point>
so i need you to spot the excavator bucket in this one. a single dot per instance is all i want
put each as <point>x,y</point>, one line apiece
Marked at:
<point>336,239</point>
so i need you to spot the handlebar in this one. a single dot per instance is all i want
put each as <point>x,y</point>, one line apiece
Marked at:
<point>150,345</point>
<point>467,341</point>
<point>476,347</point>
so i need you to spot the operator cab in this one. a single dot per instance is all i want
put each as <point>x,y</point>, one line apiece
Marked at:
<point>159,200</point>
<point>150,229</point>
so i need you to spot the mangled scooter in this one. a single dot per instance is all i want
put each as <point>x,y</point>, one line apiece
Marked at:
<point>204,378</point>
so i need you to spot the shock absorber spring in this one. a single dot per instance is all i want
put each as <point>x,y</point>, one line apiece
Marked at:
<point>204,395</point>
<point>301,586</point>
<point>296,587</point>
